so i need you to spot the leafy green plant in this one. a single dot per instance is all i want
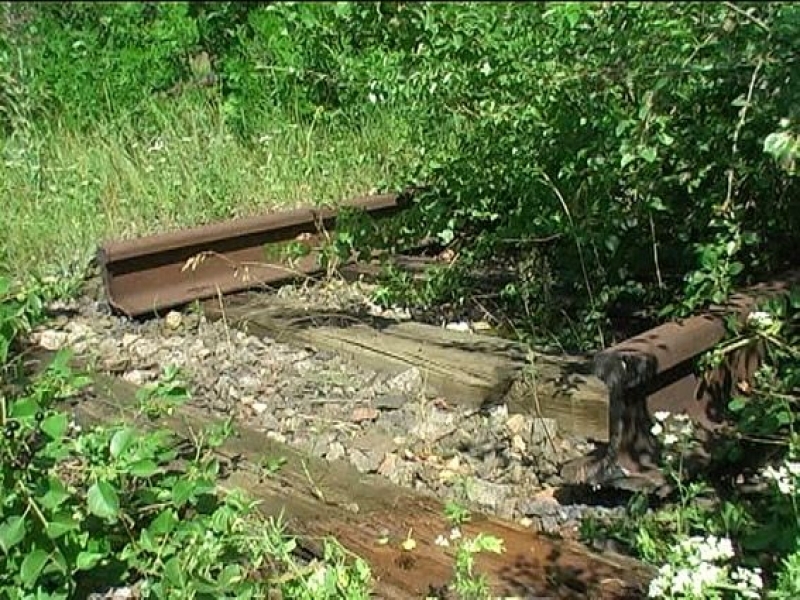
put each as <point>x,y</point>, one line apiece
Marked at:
<point>467,583</point>
<point>456,514</point>
<point>164,396</point>
<point>83,509</point>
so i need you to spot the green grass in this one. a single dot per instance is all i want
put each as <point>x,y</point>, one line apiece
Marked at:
<point>63,192</point>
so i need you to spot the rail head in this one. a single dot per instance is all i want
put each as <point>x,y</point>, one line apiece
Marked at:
<point>637,361</point>
<point>151,274</point>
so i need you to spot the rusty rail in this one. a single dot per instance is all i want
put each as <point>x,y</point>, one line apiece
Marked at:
<point>154,273</point>
<point>655,371</point>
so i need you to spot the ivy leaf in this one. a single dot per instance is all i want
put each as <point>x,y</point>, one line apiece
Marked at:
<point>21,409</point>
<point>648,153</point>
<point>627,159</point>
<point>32,566</point>
<point>87,560</point>
<point>163,524</point>
<point>12,531</point>
<point>121,441</point>
<point>55,495</point>
<point>60,524</point>
<point>182,491</point>
<point>55,425</point>
<point>103,500</point>
<point>737,404</point>
<point>173,572</point>
<point>143,468</point>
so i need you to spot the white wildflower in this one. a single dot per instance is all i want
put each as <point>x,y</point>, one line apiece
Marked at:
<point>712,548</point>
<point>698,565</point>
<point>317,579</point>
<point>486,68</point>
<point>372,98</point>
<point>670,439</point>
<point>455,533</point>
<point>661,415</point>
<point>657,429</point>
<point>748,582</point>
<point>442,541</point>
<point>783,477</point>
<point>760,318</point>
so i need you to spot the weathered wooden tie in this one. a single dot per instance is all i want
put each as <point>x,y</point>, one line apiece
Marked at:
<point>319,499</point>
<point>468,369</point>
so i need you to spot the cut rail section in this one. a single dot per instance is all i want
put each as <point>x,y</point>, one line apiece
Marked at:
<point>657,371</point>
<point>151,274</point>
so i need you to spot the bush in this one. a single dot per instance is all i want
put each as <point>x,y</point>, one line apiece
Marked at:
<point>618,148</point>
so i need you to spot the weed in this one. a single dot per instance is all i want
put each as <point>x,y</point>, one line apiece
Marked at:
<point>84,509</point>
<point>164,396</point>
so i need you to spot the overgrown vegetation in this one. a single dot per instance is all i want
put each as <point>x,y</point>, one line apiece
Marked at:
<point>611,153</point>
<point>614,156</point>
<point>82,510</point>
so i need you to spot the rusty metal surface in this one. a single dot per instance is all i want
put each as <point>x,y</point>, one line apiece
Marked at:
<point>151,274</point>
<point>655,371</point>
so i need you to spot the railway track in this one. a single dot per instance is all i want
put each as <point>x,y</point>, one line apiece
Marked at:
<point>651,372</point>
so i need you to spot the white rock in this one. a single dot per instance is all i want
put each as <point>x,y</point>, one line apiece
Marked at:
<point>335,451</point>
<point>173,319</point>
<point>460,326</point>
<point>407,382</point>
<point>519,425</point>
<point>52,340</point>
<point>129,339</point>
<point>276,436</point>
<point>136,377</point>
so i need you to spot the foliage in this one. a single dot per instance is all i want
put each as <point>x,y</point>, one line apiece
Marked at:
<point>467,583</point>
<point>115,56</point>
<point>629,134</point>
<point>111,505</point>
<point>623,150</point>
<point>164,396</point>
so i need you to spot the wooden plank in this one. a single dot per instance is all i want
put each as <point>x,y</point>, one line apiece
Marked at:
<point>318,498</point>
<point>467,369</point>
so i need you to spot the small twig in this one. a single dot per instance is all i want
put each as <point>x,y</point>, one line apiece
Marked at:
<point>655,252</point>
<point>541,240</point>
<point>697,49</point>
<point>747,16</point>
<point>589,291</point>
<point>224,320</point>
<point>314,488</point>
<point>538,406</point>
<point>737,132</point>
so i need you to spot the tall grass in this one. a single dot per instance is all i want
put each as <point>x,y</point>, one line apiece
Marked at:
<point>63,192</point>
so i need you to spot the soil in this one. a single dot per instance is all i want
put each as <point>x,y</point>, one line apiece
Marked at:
<point>503,464</point>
